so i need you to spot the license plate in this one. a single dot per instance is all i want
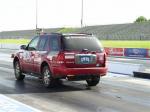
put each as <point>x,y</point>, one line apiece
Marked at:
<point>85,59</point>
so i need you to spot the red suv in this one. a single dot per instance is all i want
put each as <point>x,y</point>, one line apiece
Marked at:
<point>61,56</point>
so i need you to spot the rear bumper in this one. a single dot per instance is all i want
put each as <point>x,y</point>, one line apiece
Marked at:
<point>64,72</point>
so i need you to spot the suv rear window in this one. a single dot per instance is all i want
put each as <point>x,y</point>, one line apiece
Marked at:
<point>78,43</point>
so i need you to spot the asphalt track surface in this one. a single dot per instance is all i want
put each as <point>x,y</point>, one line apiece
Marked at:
<point>115,93</point>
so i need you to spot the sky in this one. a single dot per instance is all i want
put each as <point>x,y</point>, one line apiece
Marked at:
<point>21,14</point>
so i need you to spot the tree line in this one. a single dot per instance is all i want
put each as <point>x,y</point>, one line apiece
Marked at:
<point>141,19</point>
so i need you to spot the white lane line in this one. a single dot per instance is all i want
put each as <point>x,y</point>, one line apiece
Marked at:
<point>10,105</point>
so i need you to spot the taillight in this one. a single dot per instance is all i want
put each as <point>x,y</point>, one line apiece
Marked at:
<point>60,59</point>
<point>102,59</point>
<point>69,56</point>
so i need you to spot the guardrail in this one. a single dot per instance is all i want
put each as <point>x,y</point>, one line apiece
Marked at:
<point>124,68</point>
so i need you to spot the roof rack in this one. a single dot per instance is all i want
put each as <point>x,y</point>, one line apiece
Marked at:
<point>67,34</point>
<point>44,33</point>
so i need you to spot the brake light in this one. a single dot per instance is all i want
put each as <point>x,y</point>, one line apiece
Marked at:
<point>102,59</point>
<point>69,56</point>
<point>60,59</point>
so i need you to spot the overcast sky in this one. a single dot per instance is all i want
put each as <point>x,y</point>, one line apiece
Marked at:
<point>20,14</point>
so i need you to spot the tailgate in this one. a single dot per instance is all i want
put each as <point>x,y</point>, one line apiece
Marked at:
<point>82,60</point>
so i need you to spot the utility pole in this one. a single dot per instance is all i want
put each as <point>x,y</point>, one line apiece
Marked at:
<point>38,30</point>
<point>36,14</point>
<point>82,14</point>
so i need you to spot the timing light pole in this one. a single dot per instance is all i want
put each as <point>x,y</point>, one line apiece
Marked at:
<point>82,14</point>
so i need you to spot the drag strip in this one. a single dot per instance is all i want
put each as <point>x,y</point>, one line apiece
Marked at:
<point>115,93</point>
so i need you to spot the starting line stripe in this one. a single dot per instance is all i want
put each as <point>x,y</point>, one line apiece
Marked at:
<point>10,105</point>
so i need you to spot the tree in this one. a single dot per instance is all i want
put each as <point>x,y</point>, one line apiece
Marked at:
<point>141,19</point>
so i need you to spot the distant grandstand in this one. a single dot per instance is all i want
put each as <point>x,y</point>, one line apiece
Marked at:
<point>132,31</point>
<point>23,33</point>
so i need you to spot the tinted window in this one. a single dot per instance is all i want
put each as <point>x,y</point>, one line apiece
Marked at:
<point>33,44</point>
<point>82,42</point>
<point>54,43</point>
<point>43,43</point>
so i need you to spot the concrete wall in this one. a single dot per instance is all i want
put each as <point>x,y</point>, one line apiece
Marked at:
<point>124,68</point>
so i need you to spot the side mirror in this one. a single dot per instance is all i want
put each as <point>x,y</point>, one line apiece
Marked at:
<point>23,47</point>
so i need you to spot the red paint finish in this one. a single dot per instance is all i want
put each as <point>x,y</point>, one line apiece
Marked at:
<point>48,49</point>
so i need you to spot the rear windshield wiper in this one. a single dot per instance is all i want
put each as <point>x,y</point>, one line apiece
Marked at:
<point>85,50</point>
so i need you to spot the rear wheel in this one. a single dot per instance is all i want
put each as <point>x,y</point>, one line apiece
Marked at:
<point>18,72</point>
<point>93,81</point>
<point>47,77</point>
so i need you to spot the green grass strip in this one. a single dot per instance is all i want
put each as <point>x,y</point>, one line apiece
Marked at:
<point>107,43</point>
<point>14,41</point>
<point>126,44</point>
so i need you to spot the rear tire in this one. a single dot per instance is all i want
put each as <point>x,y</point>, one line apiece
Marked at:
<point>93,81</point>
<point>17,70</point>
<point>48,80</point>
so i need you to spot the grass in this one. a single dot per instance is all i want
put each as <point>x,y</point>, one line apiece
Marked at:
<point>106,43</point>
<point>126,44</point>
<point>14,41</point>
